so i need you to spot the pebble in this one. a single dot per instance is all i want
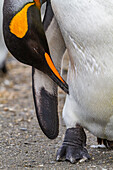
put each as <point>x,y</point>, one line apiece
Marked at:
<point>23,129</point>
<point>41,165</point>
<point>9,109</point>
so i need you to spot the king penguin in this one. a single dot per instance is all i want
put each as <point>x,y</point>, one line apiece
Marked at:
<point>25,38</point>
<point>3,49</point>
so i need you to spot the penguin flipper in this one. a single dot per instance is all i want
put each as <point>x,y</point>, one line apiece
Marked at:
<point>45,99</point>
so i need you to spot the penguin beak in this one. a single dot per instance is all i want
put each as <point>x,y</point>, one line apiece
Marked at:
<point>55,76</point>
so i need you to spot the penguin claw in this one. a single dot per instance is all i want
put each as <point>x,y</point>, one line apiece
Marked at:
<point>58,158</point>
<point>61,153</point>
<point>71,159</point>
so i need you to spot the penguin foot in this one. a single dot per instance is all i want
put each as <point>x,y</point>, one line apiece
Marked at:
<point>73,147</point>
<point>108,144</point>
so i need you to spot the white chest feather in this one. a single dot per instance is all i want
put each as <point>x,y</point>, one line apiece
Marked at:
<point>87,28</point>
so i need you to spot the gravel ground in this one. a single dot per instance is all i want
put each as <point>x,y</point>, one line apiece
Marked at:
<point>22,143</point>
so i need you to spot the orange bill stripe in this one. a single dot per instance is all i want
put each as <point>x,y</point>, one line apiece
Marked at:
<point>19,24</point>
<point>51,65</point>
<point>37,3</point>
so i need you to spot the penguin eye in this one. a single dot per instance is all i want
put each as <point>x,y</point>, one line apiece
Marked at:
<point>37,3</point>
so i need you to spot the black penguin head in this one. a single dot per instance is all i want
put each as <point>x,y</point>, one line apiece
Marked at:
<point>25,38</point>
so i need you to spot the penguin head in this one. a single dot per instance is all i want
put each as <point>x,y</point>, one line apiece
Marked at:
<point>25,37</point>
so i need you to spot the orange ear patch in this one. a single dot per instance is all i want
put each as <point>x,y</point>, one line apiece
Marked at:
<point>51,65</point>
<point>19,24</point>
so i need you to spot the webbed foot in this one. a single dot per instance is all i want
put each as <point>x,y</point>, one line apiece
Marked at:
<point>73,147</point>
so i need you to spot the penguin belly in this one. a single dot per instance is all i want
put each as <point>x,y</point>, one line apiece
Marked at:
<point>87,31</point>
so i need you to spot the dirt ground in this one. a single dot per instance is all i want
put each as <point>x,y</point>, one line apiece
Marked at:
<point>22,143</point>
